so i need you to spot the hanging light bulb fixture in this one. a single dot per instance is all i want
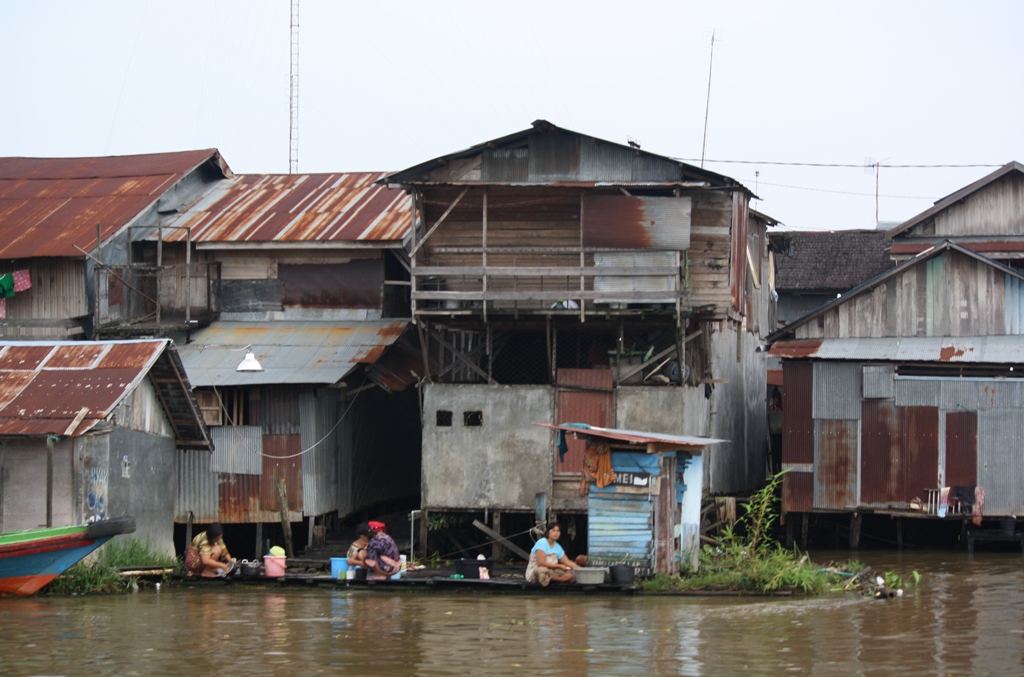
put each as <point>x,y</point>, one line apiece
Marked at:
<point>249,363</point>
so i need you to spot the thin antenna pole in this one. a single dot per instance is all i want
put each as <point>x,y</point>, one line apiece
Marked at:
<point>707,104</point>
<point>877,165</point>
<point>293,98</point>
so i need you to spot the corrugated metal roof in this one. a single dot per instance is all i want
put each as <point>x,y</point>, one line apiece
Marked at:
<point>297,208</point>
<point>44,386</point>
<point>970,349</point>
<point>49,205</point>
<point>636,437</point>
<point>289,352</point>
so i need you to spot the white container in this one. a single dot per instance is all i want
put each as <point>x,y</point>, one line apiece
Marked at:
<point>590,575</point>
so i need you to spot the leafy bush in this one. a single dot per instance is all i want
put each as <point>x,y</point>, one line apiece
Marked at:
<point>103,575</point>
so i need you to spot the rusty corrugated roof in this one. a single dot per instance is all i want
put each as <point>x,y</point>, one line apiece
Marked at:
<point>297,208</point>
<point>45,386</point>
<point>49,205</point>
<point>290,352</point>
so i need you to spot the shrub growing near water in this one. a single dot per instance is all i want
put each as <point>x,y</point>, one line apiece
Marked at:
<point>749,559</point>
<point>103,574</point>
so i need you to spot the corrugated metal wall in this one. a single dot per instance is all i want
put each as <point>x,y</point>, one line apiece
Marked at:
<point>797,423</point>
<point>237,449</point>
<point>878,381</point>
<point>1000,463</point>
<point>197,487</point>
<point>635,222</point>
<point>880,474</point>
<point>917,392</point>
<point>621,522</point>
<point>1014,305</point>
<point>835,463</point>
<point>919,453</point>
<point>837,390</point>
<point>595,406</point>
<point>281,460</point>
<point>319,441</point>
<point>961,448</point>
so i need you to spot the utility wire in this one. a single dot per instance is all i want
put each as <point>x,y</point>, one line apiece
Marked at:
<point>836,164</point>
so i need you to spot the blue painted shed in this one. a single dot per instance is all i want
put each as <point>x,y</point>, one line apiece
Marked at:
<point>648,511</point>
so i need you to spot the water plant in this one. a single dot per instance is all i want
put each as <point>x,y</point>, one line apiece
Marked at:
<point>102,574</point>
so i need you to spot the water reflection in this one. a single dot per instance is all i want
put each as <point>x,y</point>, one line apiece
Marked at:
<point>965,619</point>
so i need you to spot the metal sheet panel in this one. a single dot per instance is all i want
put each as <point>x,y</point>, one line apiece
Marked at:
<point>961,449</point>
<point>916,392</point>
<point>878,382</point>
<point>999,394</point>
<point>554,157</point>
<point>237,449</point>
<point>1014,313</point>
<point>959,394</point>
<point>1000,463</point>
<point>239,499</point>
<point>279,410</point>
<point>640,260</point>
<point>197,487</point>
<point>620,524</point>
<point>837,390</point>
<point>505,165</point>
<point>919,450</point>
<point>634,222</point>
<point>318,414</point>
<point>595,406</point>
<point>42,395</point>
<point>797,422</point>
<point>297,208</point>
<point>290,352</point>
<point>835,463</point>
<point>881,478</point>
<point>50,205</point>
<point>797,491</point>
<point>969,349</point>
<point>356,284</point>
<point>281,460</point>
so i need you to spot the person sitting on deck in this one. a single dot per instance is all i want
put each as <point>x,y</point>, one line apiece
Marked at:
<point>357,551</point>
<point>548,561</point>
<point>382,556</point>
<point>217,561</point>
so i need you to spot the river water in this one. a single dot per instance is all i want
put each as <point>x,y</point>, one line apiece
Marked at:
<point>967,617</point>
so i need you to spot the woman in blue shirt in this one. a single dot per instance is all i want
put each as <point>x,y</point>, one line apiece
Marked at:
<point>548,561</point>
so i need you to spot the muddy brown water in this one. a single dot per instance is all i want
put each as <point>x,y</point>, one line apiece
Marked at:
<point>966,618</point>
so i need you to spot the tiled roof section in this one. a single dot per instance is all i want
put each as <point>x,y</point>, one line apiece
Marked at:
<point>831,261</point>
<point>50,205</point>
<point>298,208</point>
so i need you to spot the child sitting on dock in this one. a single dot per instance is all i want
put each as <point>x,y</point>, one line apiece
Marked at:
<point>548,561</point>
<point>357,551</point>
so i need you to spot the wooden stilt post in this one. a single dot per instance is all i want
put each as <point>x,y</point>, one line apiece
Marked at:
<point>789,534</point>
<point>899,533</point>
<point>803,531</point>
<point>286,526</point>
<point>855,520</point>
<point>49,480</point>
<point>259,540</point>
<point>497,552</point>
<point>424,531</point>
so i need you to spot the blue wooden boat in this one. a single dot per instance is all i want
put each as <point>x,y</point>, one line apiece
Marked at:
<point>32,558</point>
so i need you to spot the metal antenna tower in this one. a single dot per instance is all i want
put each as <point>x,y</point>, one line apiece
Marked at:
<point>707,104</point>
<point>293,98</point>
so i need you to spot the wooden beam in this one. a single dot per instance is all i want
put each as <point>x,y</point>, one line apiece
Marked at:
<point>75,421</point>
<point>441,220</point>
<point>440,339</point>
<point>548,295</point>
<point>501,539</point>
<point>548,271</point>
<point>662,354</point>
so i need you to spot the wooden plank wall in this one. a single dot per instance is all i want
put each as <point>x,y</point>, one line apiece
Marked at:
<point>996,209</point>
<point>57,292</point>
<point>549,217</point>
<point>950,295</point>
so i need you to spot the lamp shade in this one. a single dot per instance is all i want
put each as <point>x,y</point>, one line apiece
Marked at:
<point>250,363</point>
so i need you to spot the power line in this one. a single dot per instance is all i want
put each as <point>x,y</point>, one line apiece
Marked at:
<point>846,192</point>
<point>836,164</point>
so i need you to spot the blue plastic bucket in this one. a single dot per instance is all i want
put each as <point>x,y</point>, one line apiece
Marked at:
<point>339,567</point>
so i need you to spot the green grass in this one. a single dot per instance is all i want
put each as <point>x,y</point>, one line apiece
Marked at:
<point>102,575</point>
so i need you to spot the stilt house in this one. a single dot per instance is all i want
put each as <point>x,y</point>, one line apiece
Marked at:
<point>563,278</point>
<point>313,283</point>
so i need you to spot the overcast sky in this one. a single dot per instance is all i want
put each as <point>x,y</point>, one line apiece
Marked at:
<point>387,85</point>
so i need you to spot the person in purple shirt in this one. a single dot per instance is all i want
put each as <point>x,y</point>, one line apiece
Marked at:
<point>382,556</point>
